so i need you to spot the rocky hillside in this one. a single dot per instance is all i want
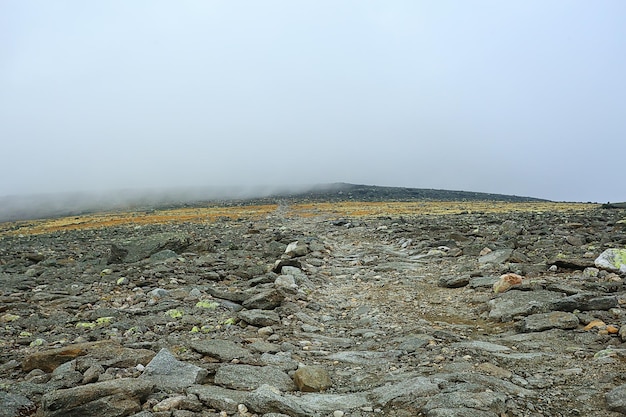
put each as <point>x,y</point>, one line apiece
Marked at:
<point>344,191</point>
<point>13,208</point>
<point>310,314</point>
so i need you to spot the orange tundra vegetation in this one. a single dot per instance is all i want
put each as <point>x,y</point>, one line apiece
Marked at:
<point>210,214</point>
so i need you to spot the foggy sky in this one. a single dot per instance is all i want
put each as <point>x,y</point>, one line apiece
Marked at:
<point>511,97</point>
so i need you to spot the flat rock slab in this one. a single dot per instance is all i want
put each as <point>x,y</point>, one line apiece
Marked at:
<point>546,321</point>
<point>265,300</point>
<point>15,405</point>
<point>117,397</point>
<point>170,374</point>
<point>217,397</point>
<point>492,403</point>
<point>223,350</point>
<point>404,391</point>
<point>496,257</point>
<point>136,249</point>
<point>268,399</point>
<point>571,263</point>
<point>454,281</point>
<point>412,343</point>
<point>616,399</point>
<point>521,303</point>
<point>460,412</point>
<point>326,403</point>
<point>258,317</point>
<point>483,282</point>
<point>248,377</point>
<point>585,302</point>
<point>280,360</point>
<point>106,352</point>
<point>480,345</point>
<point>365,357</point>
<point>493,383</point>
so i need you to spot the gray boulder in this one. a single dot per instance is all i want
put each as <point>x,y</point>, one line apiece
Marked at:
<point>616,399</point>
<point>454,281</point>
<point>547,321</point>
<point>15,405</point>
<point>248,377</point>
<point>522,303</point>
<point>265,300</point>
<point>136,249</point>
<point>114,398</point>
<point>404,391</point>
<point>613,260</point>
<point>218,397</point>
<point>496,257</point>
<point>223,350</point>
<point>268,399</point>
<point>170,374</point>
<point>257,317</point>
<point>479,403</point>
<point>297,248</point>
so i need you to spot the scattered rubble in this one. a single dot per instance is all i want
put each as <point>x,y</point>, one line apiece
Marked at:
<point>473,314</point>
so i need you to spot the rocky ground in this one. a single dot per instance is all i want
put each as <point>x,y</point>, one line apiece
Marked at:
<point>317,316</point>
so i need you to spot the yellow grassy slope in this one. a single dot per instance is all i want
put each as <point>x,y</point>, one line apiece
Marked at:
<point>210,214</point>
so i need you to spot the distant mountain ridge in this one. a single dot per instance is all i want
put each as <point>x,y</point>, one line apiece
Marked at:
<point>26,207</point>
<point>344,191</point>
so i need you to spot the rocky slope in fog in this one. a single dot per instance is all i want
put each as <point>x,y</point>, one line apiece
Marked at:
<point>22,207</point>
<point>318,317</point>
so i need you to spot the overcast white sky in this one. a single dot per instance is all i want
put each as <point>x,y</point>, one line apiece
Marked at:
<point>513,97</point>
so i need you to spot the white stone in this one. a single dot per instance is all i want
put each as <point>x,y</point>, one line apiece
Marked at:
<point>613,260</point>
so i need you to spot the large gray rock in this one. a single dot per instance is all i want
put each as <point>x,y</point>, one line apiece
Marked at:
<point>403,392</point>
<point>493,383</point>
<point>616,399</point>
<point>268,399</point>
<point>217,397</point>
<point>495,257</point>
<point>105,352</point>
<point>170,374</point>
<point>265,300</point>
<point>455,281</point>
<point>612,260</point>
<point>460,412</point>
<point>300,277</point>
<point>488,402</point>
<point>412,343</point>
<point>280,360</point>
<point>585,302</point>
<point>257,317</point>
<point>163,255</point>
<point>136,249</point>
<point>15,405</point>
<point>114,398</point>
<point>297,248</point>
<point>479,345</point>
<point>248,377</point>
<point>521,303</point>
<point>545,321</point>
<point>364,357</point>
<point>326,403</point>
<point>223,350</point>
